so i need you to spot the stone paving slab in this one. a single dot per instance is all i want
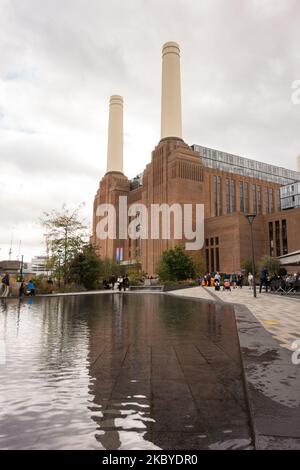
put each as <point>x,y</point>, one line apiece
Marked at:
<point>273,381</point>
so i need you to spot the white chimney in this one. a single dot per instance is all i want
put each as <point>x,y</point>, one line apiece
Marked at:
<point>115,135</point>
<point>171,91</point>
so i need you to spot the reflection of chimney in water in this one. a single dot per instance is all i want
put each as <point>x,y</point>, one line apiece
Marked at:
<point>115,135</point>
<point>171,91</point>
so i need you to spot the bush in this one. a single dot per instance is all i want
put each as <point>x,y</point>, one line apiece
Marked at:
<point>272,264</point>
<point>175,265</point>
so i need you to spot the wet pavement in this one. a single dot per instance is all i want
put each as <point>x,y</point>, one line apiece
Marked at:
<point>271,377</point>
<point>121,371</point>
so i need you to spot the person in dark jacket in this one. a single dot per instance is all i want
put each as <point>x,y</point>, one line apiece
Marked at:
<point>263,279</point>
<point>5,279</point>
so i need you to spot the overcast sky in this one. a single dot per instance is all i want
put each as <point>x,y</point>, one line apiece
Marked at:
<point>60,60</point>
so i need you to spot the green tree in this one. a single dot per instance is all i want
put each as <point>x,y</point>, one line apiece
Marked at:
<point>175,265</point>
<point>272,264</point>
<point>65,236</point>
<point>86,267</point>
<point>247,267</point>
<point>199,264</point>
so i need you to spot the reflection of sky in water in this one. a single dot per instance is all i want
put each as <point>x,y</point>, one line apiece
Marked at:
<point>77,370</point>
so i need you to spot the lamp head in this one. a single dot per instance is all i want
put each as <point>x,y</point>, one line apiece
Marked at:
<point>250,218</point>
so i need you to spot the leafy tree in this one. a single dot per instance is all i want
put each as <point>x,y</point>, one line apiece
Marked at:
<point>199,264</point>
<point>86,267</point>
<point>175,265</point>
<point>272,264</point>
<point>247,266</point>
<point>110,267</point>
<point>65,236</point>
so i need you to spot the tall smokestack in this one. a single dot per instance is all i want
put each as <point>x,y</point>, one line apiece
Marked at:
<point>115,135</point>
<point>298,163</point>
<point>171,91</point>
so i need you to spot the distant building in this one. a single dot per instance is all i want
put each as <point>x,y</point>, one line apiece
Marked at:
<point>13,268</point>
<point>39,265</point>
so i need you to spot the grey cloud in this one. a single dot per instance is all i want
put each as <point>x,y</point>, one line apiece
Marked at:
<point>61,59</point>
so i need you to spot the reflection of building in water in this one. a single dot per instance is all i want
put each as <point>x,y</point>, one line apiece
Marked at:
<point>228,185</point>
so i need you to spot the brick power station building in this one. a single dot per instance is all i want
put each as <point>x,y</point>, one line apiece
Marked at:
<point>229,186</point>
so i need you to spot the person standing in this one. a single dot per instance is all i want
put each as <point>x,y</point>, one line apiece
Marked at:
<point>250,280</point>
<point>5,279</point>
<point>263,279</point>
<point>31,288</point>
<point>125,282</point>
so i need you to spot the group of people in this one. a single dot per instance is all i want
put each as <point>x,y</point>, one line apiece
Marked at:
<point>121,282</point>
<point>26,288</point>
<point>215,279</point>
<point>286,283</point>
<point>277,282</point>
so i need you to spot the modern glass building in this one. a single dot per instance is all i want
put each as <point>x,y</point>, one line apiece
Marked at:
<point>245,166</point>
<point>290,196</point>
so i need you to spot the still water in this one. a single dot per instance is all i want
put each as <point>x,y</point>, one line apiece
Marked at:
<point>120,371</point>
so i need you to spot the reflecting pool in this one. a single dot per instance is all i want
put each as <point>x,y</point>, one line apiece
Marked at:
<point>120,371</point>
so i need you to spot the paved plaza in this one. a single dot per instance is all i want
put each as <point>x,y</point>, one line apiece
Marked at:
<point>267,327</point>
<point>280,315</point>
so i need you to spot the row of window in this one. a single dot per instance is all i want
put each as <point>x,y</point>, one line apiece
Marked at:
<point>212,254</point>
<point>278,245</point>
<point>244,197</point>
<point>244,166</point>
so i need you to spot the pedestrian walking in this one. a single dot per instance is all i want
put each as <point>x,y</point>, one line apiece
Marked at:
<point>263,279</point>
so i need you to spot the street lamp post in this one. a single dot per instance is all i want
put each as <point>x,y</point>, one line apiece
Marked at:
<point>250,218</point>
<point>21,268</point>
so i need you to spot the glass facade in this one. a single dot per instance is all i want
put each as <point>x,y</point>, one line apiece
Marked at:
<point>290,196</point>
<point>245,167</point>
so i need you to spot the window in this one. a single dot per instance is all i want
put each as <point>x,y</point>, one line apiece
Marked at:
<point>216,195</point>
<point>254,198</point>
<point>271,240</point>
<point>212,259</point>
<point>217,240</point>
<point>217,259</point>
<point>211,241</point>
<point>277,236</point>
<point>241,196</point>
<point>233,205</point>
<point>219,196</point>
<point>259,205</point>
<point>271,201</point>
<point>246,191</point>
<point>206,242</point>
<point>284,237</point>
<point>267,200</point>
<point>227,195</point>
